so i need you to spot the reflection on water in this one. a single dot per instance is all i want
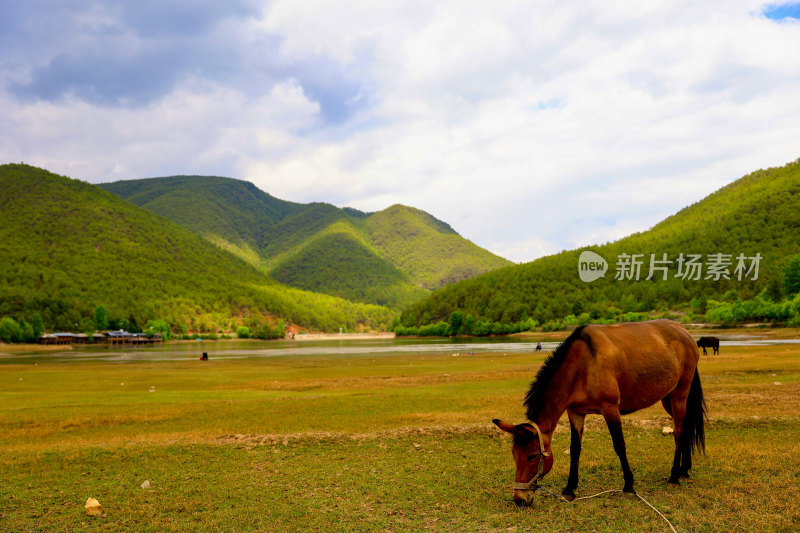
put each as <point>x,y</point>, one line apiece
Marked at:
<point>192,350</point>
<point>757,342</point>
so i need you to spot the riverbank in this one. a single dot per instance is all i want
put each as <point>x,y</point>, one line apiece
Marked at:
<point>752,331</point>
<point>343,336</point>
<point>22,347</point>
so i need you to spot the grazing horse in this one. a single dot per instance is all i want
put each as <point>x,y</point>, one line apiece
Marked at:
<point>708,342</point>
<point>612,371</point>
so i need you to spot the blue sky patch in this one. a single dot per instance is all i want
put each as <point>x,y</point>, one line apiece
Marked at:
<point>783,11</point>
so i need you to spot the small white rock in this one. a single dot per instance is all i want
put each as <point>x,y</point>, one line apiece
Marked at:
<point>146,484</point>
<point>777,383</point>
<point>93,507</point>
<point>666,430</point>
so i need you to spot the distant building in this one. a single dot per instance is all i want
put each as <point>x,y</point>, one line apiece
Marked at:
<point>110,337</point>
<point>58,338</point>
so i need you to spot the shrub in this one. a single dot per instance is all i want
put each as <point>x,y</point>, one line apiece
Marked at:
<point>100,318</point>
<point>440,329</point>
<point>37,325</point>
<point>10,330</point>
<point>26,332</point>
<point>402,331</point>
<point>157,326</point>
<point>482,328</point>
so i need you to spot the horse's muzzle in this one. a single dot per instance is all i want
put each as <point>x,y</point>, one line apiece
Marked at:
<point>523,498</point>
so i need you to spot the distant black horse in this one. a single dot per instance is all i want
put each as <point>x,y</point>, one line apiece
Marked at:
<point>708,342</point>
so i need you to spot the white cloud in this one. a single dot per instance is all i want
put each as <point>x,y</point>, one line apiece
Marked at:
<point>196,129</point>
<point>528,128</point>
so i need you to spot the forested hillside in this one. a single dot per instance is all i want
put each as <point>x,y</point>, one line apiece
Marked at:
<point>233,214</point>
<point>339,260</point>
<point>67,247</point>
<point>753,223</point>
<point>429,250</point>
<point>390,258</point>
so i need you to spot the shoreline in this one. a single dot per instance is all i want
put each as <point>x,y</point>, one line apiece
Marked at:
<point>745,330</point>
<point>33,347</point>
<point>343,336</point>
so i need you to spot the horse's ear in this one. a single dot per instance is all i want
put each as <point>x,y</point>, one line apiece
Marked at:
<point>505,426</point>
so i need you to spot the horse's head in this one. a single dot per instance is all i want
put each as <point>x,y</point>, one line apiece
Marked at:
<point>533,459</point>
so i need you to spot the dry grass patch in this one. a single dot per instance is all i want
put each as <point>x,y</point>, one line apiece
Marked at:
<point>396,444</point>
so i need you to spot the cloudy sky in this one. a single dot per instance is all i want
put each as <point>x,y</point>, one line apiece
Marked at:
<point>530,127</point>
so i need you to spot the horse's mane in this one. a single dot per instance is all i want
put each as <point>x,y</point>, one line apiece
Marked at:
<point>534,400</point>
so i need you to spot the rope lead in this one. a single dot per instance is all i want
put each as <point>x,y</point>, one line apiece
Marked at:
<point>558,496</point>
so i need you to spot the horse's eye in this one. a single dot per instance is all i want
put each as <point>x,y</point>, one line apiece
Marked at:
<point>531,457</point>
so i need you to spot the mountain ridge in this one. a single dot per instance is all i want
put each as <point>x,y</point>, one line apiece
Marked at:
<point>284,241</point>
<point>67,246</point>
<point>755,214</point>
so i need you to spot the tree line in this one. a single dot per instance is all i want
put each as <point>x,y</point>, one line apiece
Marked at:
<point>778,303</point>
<point>755,216</point>
<point>20,330</point>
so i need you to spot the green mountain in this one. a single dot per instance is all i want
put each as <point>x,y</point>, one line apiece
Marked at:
<point>755,216</point>
<point>340,260</point>
<point>232,214</point>
<point>429,250</point>
<point>67,246</point>
<point>392,258</point>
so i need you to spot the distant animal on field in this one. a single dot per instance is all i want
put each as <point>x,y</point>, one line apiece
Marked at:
<point>610,370</point>
<point>708,342</point>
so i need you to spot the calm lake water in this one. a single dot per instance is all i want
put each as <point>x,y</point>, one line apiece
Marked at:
<point>231,349</point>
<point>192,350</point>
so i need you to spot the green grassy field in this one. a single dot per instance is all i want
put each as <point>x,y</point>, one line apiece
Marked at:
<point>398,443</point>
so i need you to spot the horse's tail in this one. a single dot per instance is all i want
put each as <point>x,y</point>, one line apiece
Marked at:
<point>696,413</point>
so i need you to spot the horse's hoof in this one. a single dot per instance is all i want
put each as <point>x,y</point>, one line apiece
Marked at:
<point>569,496</point>
<point>671,483</point>
<point>628,492</point>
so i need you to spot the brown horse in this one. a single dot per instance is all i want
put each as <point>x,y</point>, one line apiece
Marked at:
<point>612,371</point>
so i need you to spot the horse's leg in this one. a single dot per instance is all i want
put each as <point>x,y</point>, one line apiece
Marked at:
<point>682,460</point>
<point>667,403</point>
<point>686,454</point>
<point>576,428</point>
<point>614,423</point>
